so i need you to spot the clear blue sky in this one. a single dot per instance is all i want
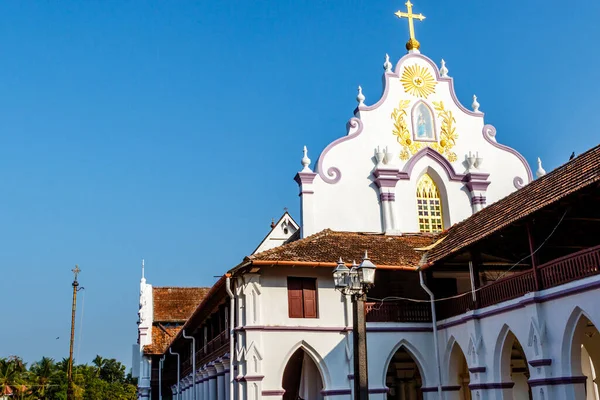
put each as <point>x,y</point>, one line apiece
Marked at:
<point>172,131</point>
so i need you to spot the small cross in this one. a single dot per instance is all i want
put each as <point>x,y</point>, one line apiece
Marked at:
<point>76,271</point>
<point>410,16</point>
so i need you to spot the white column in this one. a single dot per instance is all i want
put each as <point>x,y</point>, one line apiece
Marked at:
<point>307,217</point>
<point>227,377</point>
<point>199,385</point>
<point>220,380</point>
<point>212,382</point>
<point>205,384</point>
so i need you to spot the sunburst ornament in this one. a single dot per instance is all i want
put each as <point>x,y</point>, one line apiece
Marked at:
<point>417,81</point>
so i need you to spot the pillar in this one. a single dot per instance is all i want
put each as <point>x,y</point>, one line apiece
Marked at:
<point>212,382</point>
<point>198,378</point>
<point>305,180</point>
<point>412,390</point>
<point>477,184</point>
<point>401,395</point>
<point>220,380</point>
<point>205,395</point>
<point>183,388</point>
<point>386,179</point>
<point>227,375</point>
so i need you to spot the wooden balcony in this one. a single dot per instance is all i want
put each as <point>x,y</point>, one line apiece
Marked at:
<point>566,269</point>
<point>213,350</point>
<point>398,311</point>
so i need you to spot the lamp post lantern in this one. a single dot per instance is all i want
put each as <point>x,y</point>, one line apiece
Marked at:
<point>356,281</point>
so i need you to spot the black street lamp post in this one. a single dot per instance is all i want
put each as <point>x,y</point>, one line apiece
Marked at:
<point>356,281</point>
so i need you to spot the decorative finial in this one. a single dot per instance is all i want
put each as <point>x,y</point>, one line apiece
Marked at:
<point>413,44</point>
<point>143,277</point>
<point>305,161</point>
<point>366,257</point>
<point>475,104</point>
<point>387,65</point>
<point>360,97</point>
<point>540,170</point>
<point>76,272</point>
<point>444,70</point>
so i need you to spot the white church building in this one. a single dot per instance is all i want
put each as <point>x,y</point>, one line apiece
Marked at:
<point>424,185</point>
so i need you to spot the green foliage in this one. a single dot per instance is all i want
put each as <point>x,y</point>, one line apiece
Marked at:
<point>46,379</point>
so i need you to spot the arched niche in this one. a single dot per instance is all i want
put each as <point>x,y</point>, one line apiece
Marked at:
<point>424,127</point>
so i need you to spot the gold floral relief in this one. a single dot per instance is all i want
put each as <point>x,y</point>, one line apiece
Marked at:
<point>409,146</point>
<point>418,81</point>
<point>447,135</point>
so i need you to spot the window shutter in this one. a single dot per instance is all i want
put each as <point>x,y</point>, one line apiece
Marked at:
<point>295,305</point>
<point>309,290</point>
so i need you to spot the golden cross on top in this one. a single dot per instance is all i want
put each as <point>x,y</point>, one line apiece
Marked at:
<point>413,43</point>
<point>76,271</point>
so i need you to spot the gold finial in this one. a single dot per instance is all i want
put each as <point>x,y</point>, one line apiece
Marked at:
<point>412,43</point>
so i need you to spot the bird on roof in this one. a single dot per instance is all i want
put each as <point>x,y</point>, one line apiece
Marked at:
<point>572,156</point>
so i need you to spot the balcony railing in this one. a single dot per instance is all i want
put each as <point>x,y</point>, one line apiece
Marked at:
<point>566,269</point>
<point>511,287</point>
<point>398,311</point>
<point>213,349</point>
<point>572,267</point>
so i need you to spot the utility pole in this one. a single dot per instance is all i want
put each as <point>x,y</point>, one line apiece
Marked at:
<point>70,394</point>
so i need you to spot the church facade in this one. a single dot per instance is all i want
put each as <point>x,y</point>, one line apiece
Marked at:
<point>422,183</point>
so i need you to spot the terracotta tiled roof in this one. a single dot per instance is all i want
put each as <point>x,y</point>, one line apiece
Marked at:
<point>161,338</point>
<point>328,246</point>
<point>568,178</point>
<point>176,304</point>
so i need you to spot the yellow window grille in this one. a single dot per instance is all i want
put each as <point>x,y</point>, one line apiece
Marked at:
<point>429,206</point>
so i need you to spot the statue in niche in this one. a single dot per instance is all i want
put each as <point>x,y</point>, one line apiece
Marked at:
<point>423,127</point>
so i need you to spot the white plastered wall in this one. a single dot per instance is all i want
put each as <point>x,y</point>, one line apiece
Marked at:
<point>352,203</point>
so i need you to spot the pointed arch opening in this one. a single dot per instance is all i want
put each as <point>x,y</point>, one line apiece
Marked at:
<point>458,373</point>
<point>513,366</point>
<point>404,376</point>
<point>583,352</point>
<point>430,214</point>
<point>302,377</point>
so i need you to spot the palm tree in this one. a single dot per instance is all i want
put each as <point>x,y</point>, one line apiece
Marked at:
<point>12,370</point>
<point>41,374</point>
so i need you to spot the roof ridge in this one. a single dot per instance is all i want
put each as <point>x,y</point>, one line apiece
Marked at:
<point>324,232</point>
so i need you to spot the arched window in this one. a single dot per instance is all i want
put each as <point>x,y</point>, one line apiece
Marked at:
<point>429,206</point>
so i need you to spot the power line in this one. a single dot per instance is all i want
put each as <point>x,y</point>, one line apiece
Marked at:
<point>394,298</point>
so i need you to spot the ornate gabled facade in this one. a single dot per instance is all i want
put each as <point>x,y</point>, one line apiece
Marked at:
<point>417,129</point>
<point>487,281</point>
